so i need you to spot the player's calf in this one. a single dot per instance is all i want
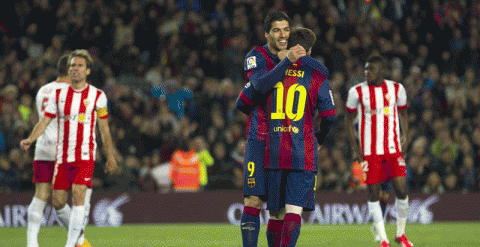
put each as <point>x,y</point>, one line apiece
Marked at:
<point>250,226</point>
<point>275,227</point>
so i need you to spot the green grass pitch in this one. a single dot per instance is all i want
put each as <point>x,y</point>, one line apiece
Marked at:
<point>165,235</point>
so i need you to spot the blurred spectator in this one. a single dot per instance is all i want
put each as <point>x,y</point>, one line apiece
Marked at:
<point>444,151</point>
<point>205,158</point>
<point>238,157</point>
<point>434,184</point>
<point>420,163</point>
<point>175,94</point>
<point>9,177</point>
<point>161,172</point>
<point>185,169</point>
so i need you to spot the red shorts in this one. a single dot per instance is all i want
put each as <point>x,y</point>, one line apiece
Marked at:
<point>382,168</point>
<point>43,171</point>
<point>66,174</point>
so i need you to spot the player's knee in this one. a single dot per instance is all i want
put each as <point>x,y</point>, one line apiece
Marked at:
<point>78,199</point>
<point>43,195</point>
<point>43,192</point>
<point>253,201</point>
<point>78,194</point>
<point>293,209</point>
<point>58,202</point>
<point>277,214</point>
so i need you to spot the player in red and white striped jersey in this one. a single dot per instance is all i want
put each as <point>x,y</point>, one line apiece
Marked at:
<point>383,126</point>
<point>44,163</point>
<point>76,109</point>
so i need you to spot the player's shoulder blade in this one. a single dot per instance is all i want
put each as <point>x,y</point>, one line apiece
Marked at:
<point>50,87</point>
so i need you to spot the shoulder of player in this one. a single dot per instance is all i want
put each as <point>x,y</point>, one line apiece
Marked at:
<point>394,84</point>
<point>257,51</point>
<point>312,63</point>
<point>391,82</point>
<point>358,85</point>
<point>49,88</point>
<point>95,89</point>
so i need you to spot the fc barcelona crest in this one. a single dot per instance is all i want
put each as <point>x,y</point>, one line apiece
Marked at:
<point>251,182</point>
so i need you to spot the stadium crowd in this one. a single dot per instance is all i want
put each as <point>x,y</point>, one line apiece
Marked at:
<point>172,71</point>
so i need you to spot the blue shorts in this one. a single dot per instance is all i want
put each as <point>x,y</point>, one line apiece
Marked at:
<point>294,187</point>
<point>254,177</point>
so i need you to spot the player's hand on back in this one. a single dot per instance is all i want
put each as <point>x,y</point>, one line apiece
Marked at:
<point>282,54</point>
<point>296,52</point>
<point>25,144</point>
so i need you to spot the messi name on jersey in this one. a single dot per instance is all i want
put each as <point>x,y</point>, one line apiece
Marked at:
<point>295,72</point>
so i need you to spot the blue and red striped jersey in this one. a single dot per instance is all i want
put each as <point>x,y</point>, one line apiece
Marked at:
<point>259,65</point>
<point>291,107</point>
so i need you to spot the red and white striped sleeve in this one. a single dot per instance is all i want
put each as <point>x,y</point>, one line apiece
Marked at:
<point>352,100</point>
<point>402,97</point>
<point>101,106</point>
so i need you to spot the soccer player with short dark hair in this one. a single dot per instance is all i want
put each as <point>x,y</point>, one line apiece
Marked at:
<point>380,105</point>
<point>291,151</point>
<point>261,65</point>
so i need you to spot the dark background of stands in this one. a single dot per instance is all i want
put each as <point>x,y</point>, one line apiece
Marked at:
<point>198,47</point>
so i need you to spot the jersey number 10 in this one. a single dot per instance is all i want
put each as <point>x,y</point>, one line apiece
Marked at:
<point>302,99</point>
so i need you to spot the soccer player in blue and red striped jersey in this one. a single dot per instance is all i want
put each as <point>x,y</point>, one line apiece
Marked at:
<point>291,165</point>
<point>291,150</point>
<point>263,65</point>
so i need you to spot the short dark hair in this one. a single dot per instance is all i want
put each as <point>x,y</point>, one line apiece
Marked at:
<point>275,16</point>
<point>376,59</point>
<point>302,36</point>
<point>62,65</point>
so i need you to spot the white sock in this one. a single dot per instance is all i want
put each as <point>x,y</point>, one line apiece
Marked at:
<point>376,212</point>
<point>402,215</point>
<point>75,226</point>
<point>88,195</point>
<point>64,215</point>
<point>35,214</point>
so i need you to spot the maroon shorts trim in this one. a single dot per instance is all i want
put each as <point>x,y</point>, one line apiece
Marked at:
<point>43,171</point>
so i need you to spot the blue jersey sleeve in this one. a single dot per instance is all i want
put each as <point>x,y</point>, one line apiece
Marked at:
<point>245,100</point>
<point>255,63</point>
<point>326,108</point>
<point>257,73</point>
<point>325,104</point>
<point>268,80</point>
